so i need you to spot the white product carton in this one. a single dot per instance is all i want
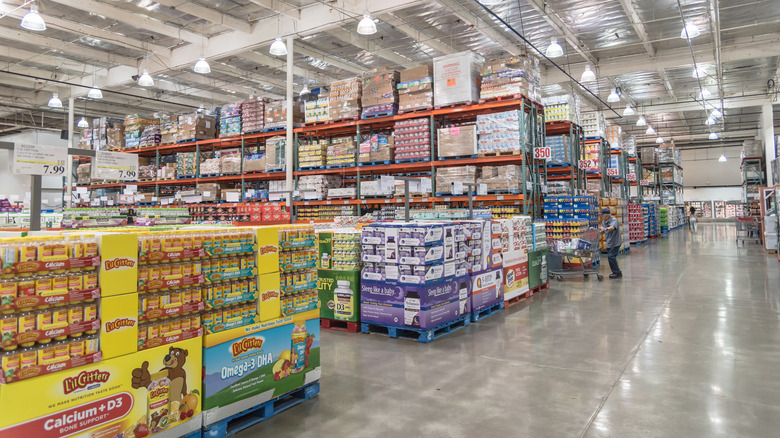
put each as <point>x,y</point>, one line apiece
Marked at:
<point>456,78</point>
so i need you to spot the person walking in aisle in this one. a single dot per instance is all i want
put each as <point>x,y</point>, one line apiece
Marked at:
<point>692,221</point>
<point>611,229</point>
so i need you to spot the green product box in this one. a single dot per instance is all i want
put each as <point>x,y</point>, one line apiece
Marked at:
<point>537,268</point>
<point>325,253</point>
<point>339,293</point>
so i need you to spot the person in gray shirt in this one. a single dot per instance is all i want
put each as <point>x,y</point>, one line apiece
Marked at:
<point>611,229</point>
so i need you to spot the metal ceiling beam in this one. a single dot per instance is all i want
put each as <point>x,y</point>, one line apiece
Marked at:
<point>51,44</point>
<point>713,7</point>
<point>281,7</point>
<point>320,55</point>
<point>552,18</point>
<point>210,14</point>
<point>729,102</point>
<point>265,85</point>
<point>760,46</point>
<point>281,65</point>
<point>133,19</point>
<point>371,47</point>
<point>418,35</point>
<point>483,25</point>
<point>206,81</point>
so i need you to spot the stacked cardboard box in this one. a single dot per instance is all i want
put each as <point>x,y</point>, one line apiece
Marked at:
<point>275,148</point>
<point>380,95</point>
<point>209,192</point>
<point>456,78</point>
<point>100,127</point>
<point>150,137</point>
<point>517,75</point>
<point>377,148</point>
<point>230,120</point>
<point>500,132</point>
<point>560,149</point>
<point>166,171</point>
<point>317,109</point>
<point>254,163</point>
<point>562,108</point>
<point>629,145</point>
<point>344,99</point>
<point>447,175</point>
<point>316,186</point>
<point>593,124</point>
<point>197,126</point>
<point>230,162</point>
<point>415,90</point>
<point>85,141</point>
<point>252,115</point>
<point>457,141</point>
<point>752,149</point>
<point>312,154</point>
<point>169,128</point>
<point>341,152</point>
<point>134,127</point>
<point>412,139</point>
<point>115,137</point>
<point>186,164</point>
<point>648,155</point>
<point>614,136</point>
<point>501,178</point>
<point>276,114</point>
<point>83,173</point>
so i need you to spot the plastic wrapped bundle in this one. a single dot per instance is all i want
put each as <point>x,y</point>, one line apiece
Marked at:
<point>517,75</point>
<point>752,149</point>
<point>629,145</point>
<point>252,115</point>
<point>275,153</point>
<point>230,120</point>
<point>446,176</point>
<point>344,99</point>
<point>455,78</point>
<point>316,186</point>
<point>614,136</point>
<point>230,164</point>
<point>647,155</point>
<point>560,149</point>
<point>565,107</point>
<point>501,178</point>
<point>666,155</point>
<point>500,132</point>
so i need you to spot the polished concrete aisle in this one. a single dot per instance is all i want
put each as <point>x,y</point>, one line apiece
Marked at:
<point>685,345</point>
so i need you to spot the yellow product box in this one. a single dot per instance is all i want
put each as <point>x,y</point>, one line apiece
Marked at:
<point>269,303</point>
<point>267,249</point>
<point>137,395</point>
<point>119,331</point>
<point>119,269</point>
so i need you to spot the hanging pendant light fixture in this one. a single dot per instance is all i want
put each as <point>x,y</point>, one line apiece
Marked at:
<point>641,121</point>
<point>588,75</point>
<point>202,67</point>
<point>33,20</point>
<point>659,140</point>
<point>305,90</point>
<point>628,111</point>
<point>367,26</point>
<point>145,80</point>
<point>716,114</point>
<point>699,72</point>
<point>613,96</point>
<point>278,48</point>
<point>713,135</point>
<point>650,130</point>
<point>83,123</point>
<point>554,50</point>
<point>723,158</point>
<point>490,2</point>
<point>690,31</point>
<point>55,101</point>
<point>95,93</point>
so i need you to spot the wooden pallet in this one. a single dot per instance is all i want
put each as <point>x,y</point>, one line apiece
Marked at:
<point>501,98</point>
<point>342,326</point>
<point>500,154</point>
<point>415,110</point>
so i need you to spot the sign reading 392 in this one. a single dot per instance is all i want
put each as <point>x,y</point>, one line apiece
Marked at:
<point>115,166</point>
<point>35,159</point>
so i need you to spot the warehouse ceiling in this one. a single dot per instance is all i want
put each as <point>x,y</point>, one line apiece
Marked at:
<point>634,45</point>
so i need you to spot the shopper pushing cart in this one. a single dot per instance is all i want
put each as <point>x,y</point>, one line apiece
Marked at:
<point>611,229</point>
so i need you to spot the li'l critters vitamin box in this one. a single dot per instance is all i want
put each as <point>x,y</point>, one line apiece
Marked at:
<point>132,396</point>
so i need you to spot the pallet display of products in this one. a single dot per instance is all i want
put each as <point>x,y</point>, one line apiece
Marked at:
<point>316,110</point>
<point>276,115</point>
<point>150,137</point>
<point>636,224</point>
<point>148,217</point>
<point>517,75</point>
<point>571,207</point>
<point>562,108</point>
<point>312,154</point>
<point>135,125</point>
<point>413,139</point>
<point>629,145</point>
<point>252,115</point>
<point>445,177</point>
<point>593,124</point>
<point>560,150</point>
<point>501,179</point>
<point>377,148</point>
<point>457,141</point>
<point>338,276</point>
<point>614,135</point>
<point>565,229</point>
<point>275,148</point>
<point>651,220</point>
<point>344,99</point>
<point>324,213</point>
<point>380,93</point>
<point>75,218</point>
<point>317,186</point>
<point>341,152</point>
<point>455,78</point>
<point>169,128</point>
<point>415,90</point>
<point>230,120</point>
<point>197,126</point>
<point>500,132</point>
<point>297,269</point>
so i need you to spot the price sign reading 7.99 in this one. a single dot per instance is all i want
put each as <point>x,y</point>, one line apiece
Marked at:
<point>542,153</point>
<point>35,159</point>
<point>115,166</point>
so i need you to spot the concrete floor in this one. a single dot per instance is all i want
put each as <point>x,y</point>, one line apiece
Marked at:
<point>685,345</point>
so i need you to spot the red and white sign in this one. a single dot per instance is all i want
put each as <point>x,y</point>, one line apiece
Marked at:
<point>612,172</point>
<point>542,153</point>
<point>644,182</point>
<point>631,177</point>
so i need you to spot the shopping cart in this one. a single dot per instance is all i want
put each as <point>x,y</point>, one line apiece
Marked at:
<point>747,229</point>
<point>577,256</point>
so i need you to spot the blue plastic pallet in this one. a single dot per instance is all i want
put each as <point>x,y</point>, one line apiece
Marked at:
<point>462,157</point>
<point>374,163</point>
<point>412,160</point>
<point>311,168</point>
<point>281,128</point>
<point>558,165</point>
<point>338,166</point>
<point>418,335</point>
<point>375,115</point>
<point>248,418</point>
<point>504,192</point>
<point>209,175</point>
<point>190,140</point>
<point>186,177</point>
<point>484,313</point>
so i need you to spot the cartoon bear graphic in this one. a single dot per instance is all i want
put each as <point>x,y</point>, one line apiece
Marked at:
<point>174,365</point>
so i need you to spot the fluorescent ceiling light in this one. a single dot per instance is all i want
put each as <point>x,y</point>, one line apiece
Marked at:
<point>202,67</point>
<point>83,123</point>
<point>613,97</point>
<point>366,25</point>
<point>650,130</point>
<point>699,72</point>
<point>554,50</point>
<point>713,136</point>
<point>55,101</point>
<point>145,80</point>
<point>490,2</point>
<point>95,93</point>
<point>716,114</point>
<point>628,111</point>
<point>641,121</point>
<point>588,75</point>
<point>690,31</point>
<point>705,94</point>
<point>659,140</point>
<point>32,20</point>
<point>722,158</point>
<point>278,48</point>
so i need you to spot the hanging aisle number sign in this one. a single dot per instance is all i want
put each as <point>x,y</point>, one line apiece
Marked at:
<point>34,159</point>
<point>612,172</point>
<point>542,153</point>
<point>115,166</point>
<point>644,182</point>
<point>631,177</point>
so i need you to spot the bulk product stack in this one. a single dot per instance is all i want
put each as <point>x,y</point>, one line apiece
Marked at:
<point>593,124</point>
<point>567,218</point>
<point>197,126</point>
<point>378,149</point>
<point>253,115</point>
<point>614,136</point>
<point>637,232</point>
<point>562,108</point>
<point>338,278</point>
<point>230,120</point>
<point>415,90</point>
<point>344,99</point>
<point>560,150</point>
<point>456,79</point>
<point>510,77</point>
<point>169,128</point>
<point>342,152</point>
<point>457,141</point>
<point>413,140</point>
<point>317,109</point>
<point>135,126</point>
<point>276,115</point>
<point>651,219</point>
<point>380,95</point>
<point>312,154</point>
<point>500,132</point>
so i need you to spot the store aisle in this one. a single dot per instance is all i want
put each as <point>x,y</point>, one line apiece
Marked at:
<point>686,344</point>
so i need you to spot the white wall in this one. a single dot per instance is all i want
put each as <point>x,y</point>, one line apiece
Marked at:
<point>701,168</point>
<point>12,184</point>
<point>712,194</point>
